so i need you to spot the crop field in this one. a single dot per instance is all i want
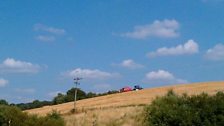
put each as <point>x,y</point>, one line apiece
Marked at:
<point>121,108</point>
<point>115,116</point>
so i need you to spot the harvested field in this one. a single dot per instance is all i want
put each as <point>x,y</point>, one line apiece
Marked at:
<point>134,98</point>
<point>116,116</point>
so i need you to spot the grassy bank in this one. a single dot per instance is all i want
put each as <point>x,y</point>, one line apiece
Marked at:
<point>114,116</point>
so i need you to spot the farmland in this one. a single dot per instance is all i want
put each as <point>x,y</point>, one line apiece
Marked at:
<point>122,108</point>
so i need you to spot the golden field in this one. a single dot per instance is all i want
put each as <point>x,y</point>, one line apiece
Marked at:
<point>121,108</point>
<point>115,116</point>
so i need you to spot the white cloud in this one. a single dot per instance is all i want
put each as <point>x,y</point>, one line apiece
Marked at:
<point>41,27</point>
<point>216,53</point>
<point>130,64</point>
<point>11,65</point>
<point>3,82</point>
<point>162,76</point>
<point>190,47</point>
<point>90,74</point>
<point>45,38</point>
<point>25,90</point>
<point>160,29</point>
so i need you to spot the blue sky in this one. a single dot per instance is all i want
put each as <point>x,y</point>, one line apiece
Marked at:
<point>45,44</point>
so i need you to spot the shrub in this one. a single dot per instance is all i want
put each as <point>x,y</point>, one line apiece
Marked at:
<point>15,117</point>
<point>174,110</point>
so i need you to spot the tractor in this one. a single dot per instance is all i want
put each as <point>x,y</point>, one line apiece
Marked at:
<point>137,87</point>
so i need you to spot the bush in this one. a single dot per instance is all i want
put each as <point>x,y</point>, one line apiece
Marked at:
<point>15,117</point>
<point>3,102</point>
<point>174,110</point>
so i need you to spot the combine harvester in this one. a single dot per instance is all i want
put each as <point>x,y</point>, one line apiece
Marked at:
<point>127,89</point>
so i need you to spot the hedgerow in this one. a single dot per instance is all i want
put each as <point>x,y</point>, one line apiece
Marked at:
<point>13,116</point>
<point>184,110</point>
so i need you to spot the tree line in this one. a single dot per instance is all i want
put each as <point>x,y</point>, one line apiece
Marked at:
<point>59,99</point>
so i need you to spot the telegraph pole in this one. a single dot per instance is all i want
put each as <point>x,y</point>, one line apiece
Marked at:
<point>76,82</point>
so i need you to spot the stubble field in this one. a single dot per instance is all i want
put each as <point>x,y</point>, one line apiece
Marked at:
<point>121,109</point>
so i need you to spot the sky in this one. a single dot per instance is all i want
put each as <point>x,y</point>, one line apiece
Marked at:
<point>44,44</point>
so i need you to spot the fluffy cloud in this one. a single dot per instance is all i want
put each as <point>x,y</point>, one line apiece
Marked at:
<point>130,64</point>
<point>162,76</point>
<point>190,47</point>
<point>11,65</point>
<point>3,82</point>
<point>45,38</point>
<point>90,74</point>
<point>41,27</point>
<point>159,75</point>
<point>160,29</point>
<point>216,53</point>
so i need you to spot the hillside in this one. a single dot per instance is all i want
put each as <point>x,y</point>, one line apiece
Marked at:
<point>131,98</point>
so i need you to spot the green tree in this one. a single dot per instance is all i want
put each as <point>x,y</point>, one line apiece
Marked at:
<point>174,110</point>
<point>3,102</point>
<point>91,95</point>
<point>71,94</point>
<point>60,98</point>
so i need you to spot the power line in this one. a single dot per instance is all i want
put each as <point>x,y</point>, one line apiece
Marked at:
<point>76,82</point>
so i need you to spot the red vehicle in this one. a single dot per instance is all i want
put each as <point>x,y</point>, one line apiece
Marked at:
<point>125,89</point>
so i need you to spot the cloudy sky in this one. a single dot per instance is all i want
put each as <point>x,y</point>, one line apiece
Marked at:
<point>44,44</point>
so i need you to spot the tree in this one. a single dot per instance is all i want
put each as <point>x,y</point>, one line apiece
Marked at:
<point>71,94</point>
<point>60,98</point>
<point>3,102</point>
<point>91,94</point>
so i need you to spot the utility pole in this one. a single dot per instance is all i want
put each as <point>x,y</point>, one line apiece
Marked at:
<point>76,82</point>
